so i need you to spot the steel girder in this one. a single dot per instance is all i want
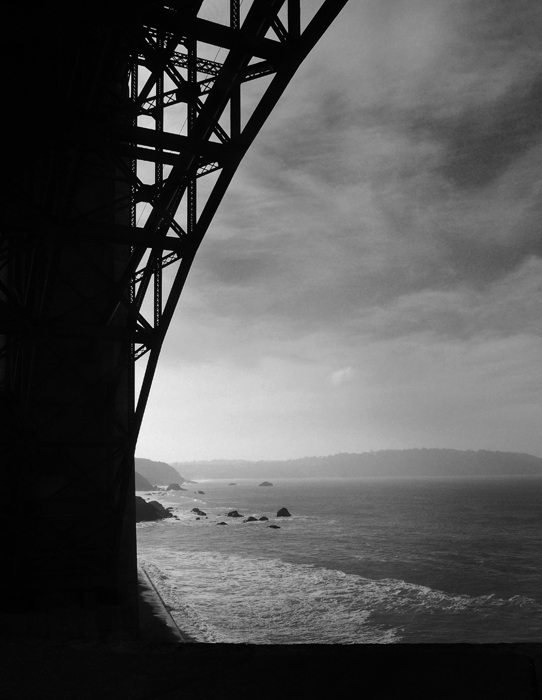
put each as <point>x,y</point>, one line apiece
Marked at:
<point>144,109</point>
<point>214,137</point>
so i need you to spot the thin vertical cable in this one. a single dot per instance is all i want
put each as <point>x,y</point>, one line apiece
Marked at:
<point>235,100</point>
<point>191,46</point>
<point>159,172</point>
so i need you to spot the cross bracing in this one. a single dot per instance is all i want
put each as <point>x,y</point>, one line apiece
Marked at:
<point>211,137</point>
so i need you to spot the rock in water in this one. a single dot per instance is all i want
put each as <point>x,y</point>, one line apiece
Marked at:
<point>203,492</point>
<point>197,511</point>
<point>222,523</point>
<point>275,527</point>
<point>174,487</point>
<point>266,483</point>
<point>284,513</point>
<point>250,519</point>
<point>160,508</point>
<point>146,512</point>
<point>264,517</point>
<point>234,514</point>
<point>232,484</point>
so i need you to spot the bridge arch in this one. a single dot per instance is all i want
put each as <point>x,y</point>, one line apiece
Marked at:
<point>136,103</point>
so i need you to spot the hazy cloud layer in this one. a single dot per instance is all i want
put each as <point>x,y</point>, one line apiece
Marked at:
<point>381,241</point>
<point>417,169</point>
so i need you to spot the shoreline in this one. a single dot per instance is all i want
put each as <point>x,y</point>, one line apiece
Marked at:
<point>156,623</point>
<point>331,575</point>
<point>160,618</point>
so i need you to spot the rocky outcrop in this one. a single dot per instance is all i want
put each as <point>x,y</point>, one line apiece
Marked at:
<point>264,517</point>
<point>275,527</point>
<point>149,511</point>
<point>160,508</point>
<point>202,492</point>
<point>284,513</point>
<point>265,483</point>
<point>222,523</point>
<point>175,487</point>
<point>234,514</point>
<point>197,511</point>
<point>232,484</point>
<point>251,519</point>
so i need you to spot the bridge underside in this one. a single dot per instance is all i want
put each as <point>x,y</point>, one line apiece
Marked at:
<point>118,111</point>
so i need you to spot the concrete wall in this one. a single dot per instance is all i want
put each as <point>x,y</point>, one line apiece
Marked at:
<point>66,390</point>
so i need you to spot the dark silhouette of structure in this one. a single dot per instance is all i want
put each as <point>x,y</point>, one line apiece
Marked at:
<point>116,112</point>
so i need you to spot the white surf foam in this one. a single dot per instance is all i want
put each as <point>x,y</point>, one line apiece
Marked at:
<point>230,598</point>
<point>262,601</point>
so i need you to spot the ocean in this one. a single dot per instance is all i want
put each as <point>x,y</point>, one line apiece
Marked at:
<point>366,560</point>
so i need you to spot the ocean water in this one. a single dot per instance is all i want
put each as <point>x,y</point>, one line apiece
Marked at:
<point>360,561</point>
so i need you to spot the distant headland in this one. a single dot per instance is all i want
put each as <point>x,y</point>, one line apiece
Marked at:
<point>422,462</point>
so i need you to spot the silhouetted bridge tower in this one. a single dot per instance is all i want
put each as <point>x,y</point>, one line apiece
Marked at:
<point>117,111</point>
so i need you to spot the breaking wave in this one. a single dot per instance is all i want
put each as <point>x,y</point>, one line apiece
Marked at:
<point>229,598</point>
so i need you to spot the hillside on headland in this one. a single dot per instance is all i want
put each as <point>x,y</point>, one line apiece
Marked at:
<point>387,463</point>
<point>159,473</point>
<point>142,484</point>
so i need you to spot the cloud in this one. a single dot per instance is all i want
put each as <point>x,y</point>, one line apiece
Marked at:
<point>382,235</point>
<point>418,390</point>
<point>341,376</point>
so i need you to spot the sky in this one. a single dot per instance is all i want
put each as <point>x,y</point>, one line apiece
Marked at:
<point>372,278</point>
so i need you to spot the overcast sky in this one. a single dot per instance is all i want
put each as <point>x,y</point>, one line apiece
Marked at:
<point>372,278</point>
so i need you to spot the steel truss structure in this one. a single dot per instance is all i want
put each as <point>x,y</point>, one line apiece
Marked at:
<point>145,107</point>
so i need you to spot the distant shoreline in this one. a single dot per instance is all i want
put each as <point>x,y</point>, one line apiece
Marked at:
<point>385,464</point>
<point>425,477</point>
